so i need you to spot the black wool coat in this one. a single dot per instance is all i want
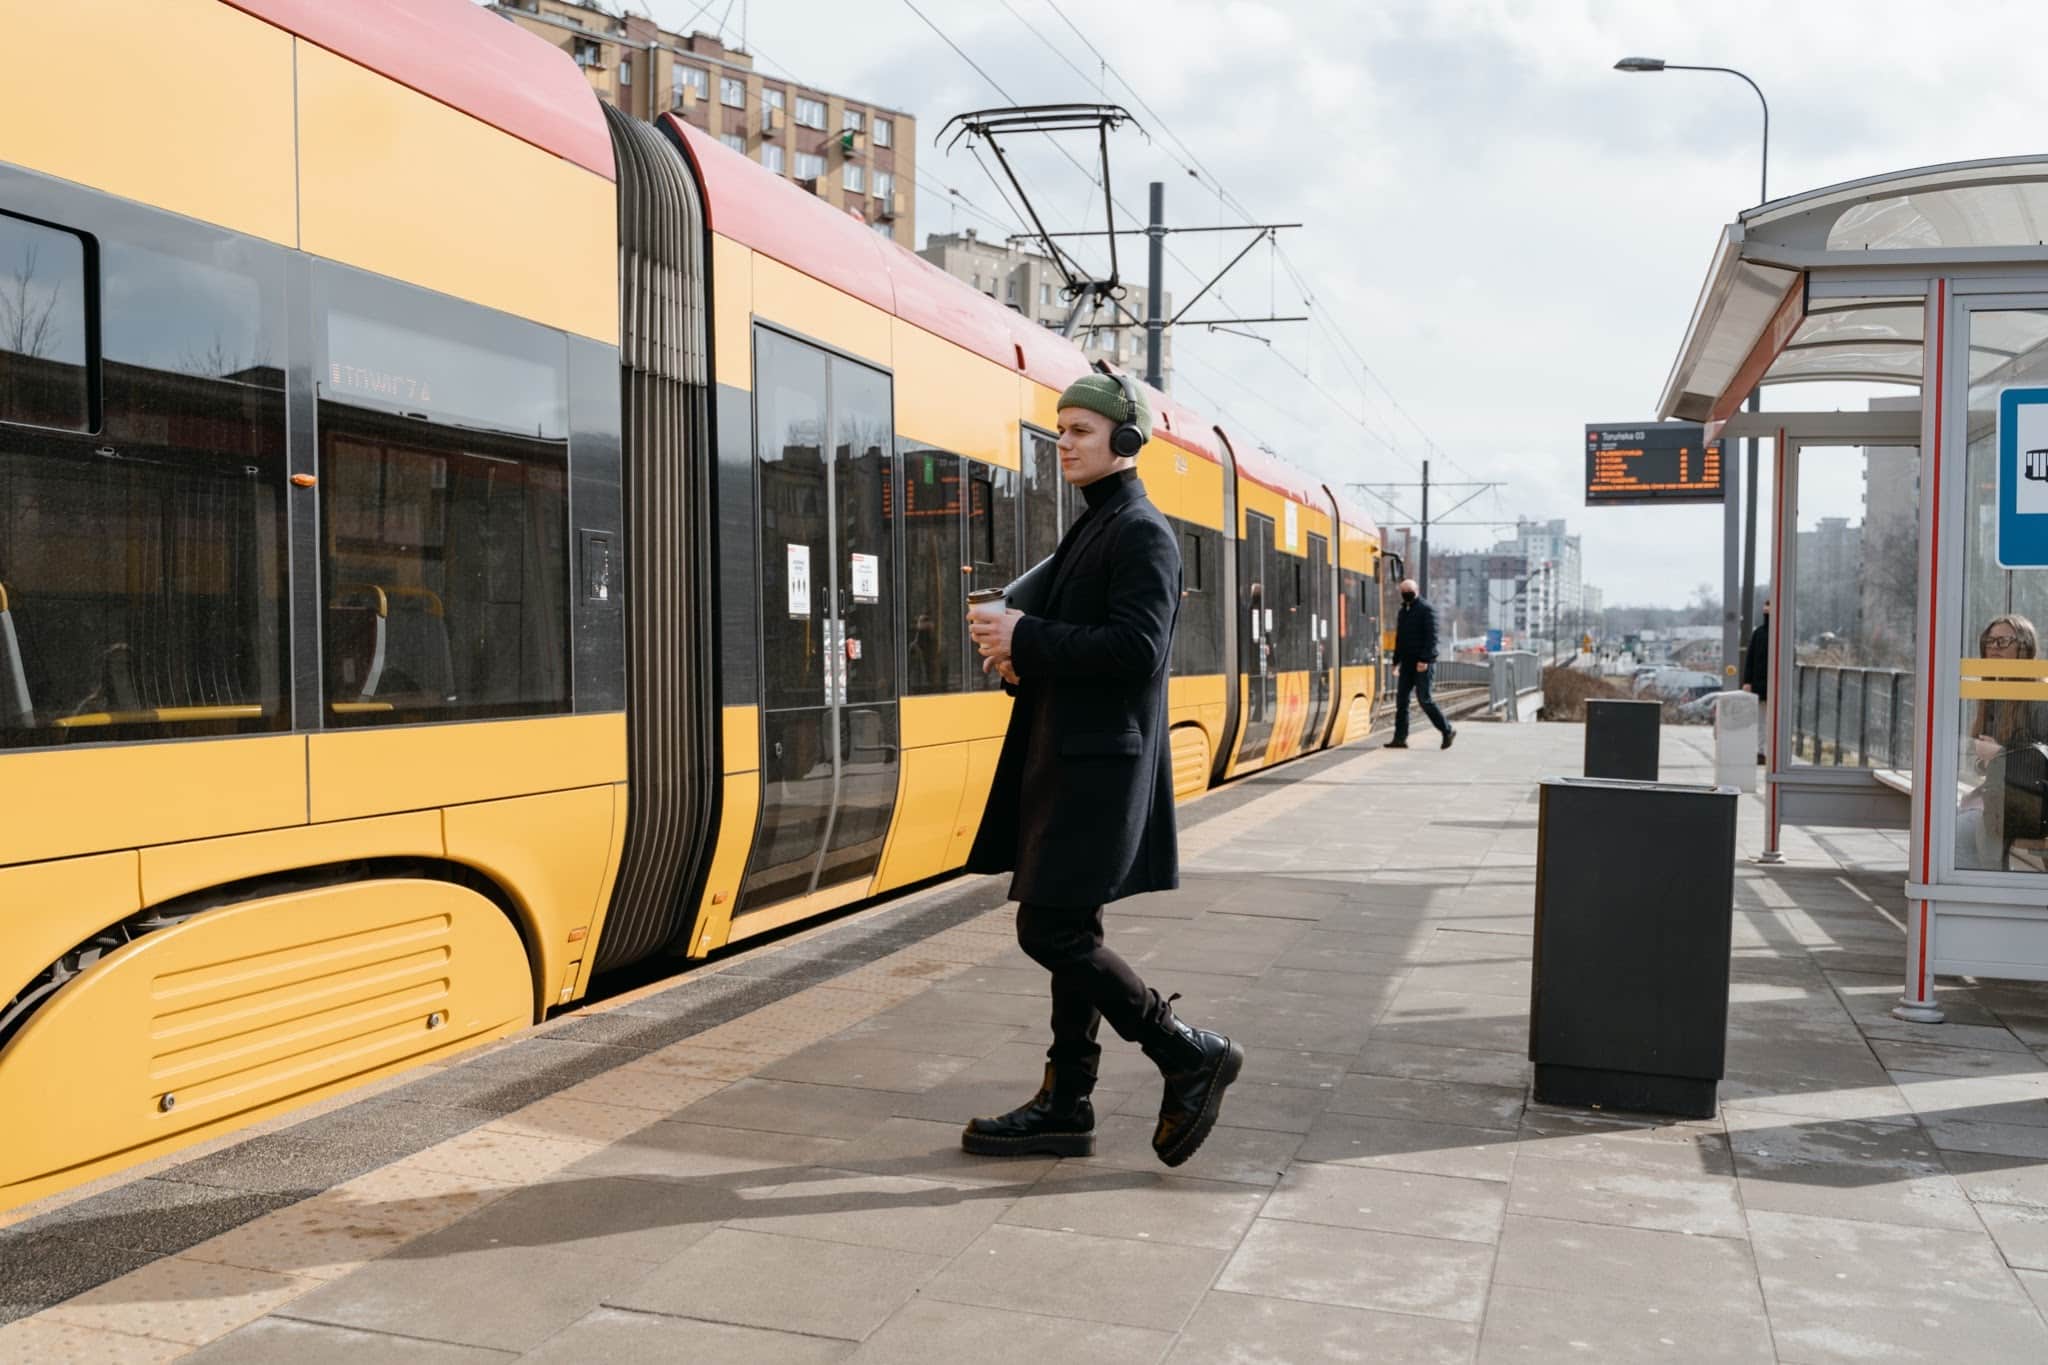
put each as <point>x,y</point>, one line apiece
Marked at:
<point>1081,809</point>
<point>1415,634</point>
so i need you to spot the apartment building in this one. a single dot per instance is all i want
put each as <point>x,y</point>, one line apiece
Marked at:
<point>852,153</point>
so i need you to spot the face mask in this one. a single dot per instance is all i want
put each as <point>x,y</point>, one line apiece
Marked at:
<point>1407,597</point>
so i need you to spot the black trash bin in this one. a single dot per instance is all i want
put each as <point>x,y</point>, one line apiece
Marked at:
<point>1621,738</point>
<point>1635,903</point>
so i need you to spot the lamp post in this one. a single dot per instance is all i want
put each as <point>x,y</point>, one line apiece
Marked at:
<point>1737,592</point>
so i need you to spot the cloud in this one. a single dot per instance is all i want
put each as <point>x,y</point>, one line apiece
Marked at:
<point>1512,233</point>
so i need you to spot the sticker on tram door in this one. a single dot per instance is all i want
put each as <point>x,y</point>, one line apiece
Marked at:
<point>2023,478</point>
<point>867,578</point>
<point>799,580</point>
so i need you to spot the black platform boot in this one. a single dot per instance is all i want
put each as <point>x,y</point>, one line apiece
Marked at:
<point>1198,1067</point>
<point>1058,1121</point>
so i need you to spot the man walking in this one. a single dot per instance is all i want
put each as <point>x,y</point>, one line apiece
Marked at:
<point>1082,804</point>
<point>1756,676</point>
<point>1414,653</point>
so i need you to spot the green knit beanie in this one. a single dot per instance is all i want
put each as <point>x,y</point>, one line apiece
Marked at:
<point>1102,393</point>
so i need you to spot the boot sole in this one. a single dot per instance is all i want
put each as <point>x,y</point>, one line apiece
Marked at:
<point>1045,1144</point>
<point>1191,1141</point>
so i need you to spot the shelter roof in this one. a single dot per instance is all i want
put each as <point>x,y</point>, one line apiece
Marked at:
<point>1758,319</point>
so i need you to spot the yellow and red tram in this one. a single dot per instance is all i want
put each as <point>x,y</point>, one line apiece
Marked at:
<point>456,540</point>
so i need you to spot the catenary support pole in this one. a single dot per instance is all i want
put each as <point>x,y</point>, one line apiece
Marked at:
<point>1422,560</point>
<point>1155,289</point>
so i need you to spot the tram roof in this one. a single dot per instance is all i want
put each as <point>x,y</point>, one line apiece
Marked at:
<point>465,57</point>
<point>1757,320</point>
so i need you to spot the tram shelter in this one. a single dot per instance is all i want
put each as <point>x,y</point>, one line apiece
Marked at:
<point>1908,683</point>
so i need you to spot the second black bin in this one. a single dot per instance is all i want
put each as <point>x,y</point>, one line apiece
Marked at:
<point>1621,738</point>
<point>1635,893</point>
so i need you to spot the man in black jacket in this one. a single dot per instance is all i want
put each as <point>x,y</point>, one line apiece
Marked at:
<point>1756,677</point>
<point>1414,653</point>
<point>1081,808</point>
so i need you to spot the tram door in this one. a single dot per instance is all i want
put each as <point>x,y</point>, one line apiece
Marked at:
<point>1257,590</point>
<point>1321,647</point>
<point>824,444</point>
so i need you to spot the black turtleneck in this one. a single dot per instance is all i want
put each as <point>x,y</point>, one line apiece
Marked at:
<point>1104,488</point>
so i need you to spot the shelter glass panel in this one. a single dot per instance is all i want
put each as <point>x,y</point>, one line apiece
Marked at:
<point>1848,677</point>
<point>2002,757</point>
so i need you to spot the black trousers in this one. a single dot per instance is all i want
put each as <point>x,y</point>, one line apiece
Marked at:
<point>1090,983</point>
<point>1417,683</point>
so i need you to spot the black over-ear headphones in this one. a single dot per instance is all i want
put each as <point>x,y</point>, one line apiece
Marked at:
<point>1126,441</point>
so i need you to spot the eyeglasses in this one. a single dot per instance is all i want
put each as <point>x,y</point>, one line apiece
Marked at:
<point>2000,641</point>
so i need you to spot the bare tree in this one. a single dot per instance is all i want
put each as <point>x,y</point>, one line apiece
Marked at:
<point>28,324</point>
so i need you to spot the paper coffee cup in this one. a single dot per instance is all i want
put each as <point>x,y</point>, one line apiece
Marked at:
<point>985,602</point>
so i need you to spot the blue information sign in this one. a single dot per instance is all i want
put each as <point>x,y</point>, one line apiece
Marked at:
<point>1493,642</point>
<point>2023,478</point>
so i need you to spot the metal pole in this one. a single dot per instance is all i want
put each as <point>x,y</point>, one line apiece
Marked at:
<point>1749,444</point>
<point>1422,569</point>
<point>1731,572</point>
<point>1155,232</point>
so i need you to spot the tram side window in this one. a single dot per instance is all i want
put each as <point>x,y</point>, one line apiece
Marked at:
<point>141,572</point>
<point>43,378</point>
<point>1041,496</point>
<point>934,597</point>
<point>1198,635</point>
<point>444,501</point>
<point>992,516</point>
<point>1361,602</point>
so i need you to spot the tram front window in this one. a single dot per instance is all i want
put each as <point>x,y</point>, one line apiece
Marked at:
<point>2001,819</point>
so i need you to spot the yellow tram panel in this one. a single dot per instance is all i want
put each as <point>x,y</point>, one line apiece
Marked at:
<point>981,775</point>
<point>91,800</point>
<point>372,772</point>
<point>578,981</point>
<point>814,309</point>
<point>174,870</point>
<point>732,313</point>
<point>949,398</point>
<point>217,150</point>
<point>1201,486</point>
<point>401,184</point>
<point>742,731</point>
<point>1038,405</point>
<point>549,853</point>
<point>250,1010</point>
<point>929,787</point>
<point>954,718</point>
<point>737,814</point>
<point>47,909</point>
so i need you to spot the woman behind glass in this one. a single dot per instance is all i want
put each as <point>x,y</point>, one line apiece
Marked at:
<point>1996,726</point>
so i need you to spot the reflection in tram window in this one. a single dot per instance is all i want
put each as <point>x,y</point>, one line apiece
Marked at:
<point>444,504</point>
<point>1042,485</point>
<point>992,514</point>
<point>141,572</point>
<point>1198,634</point>
<point>934,598</point>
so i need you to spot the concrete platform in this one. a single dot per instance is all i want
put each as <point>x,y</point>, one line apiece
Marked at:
<point>760,1161</point>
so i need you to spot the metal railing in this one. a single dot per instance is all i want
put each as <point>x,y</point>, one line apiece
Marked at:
<point>1846,717</point>
<point>1512,675</point>
<point>1460,673</point>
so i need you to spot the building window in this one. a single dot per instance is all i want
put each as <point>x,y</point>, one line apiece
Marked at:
<point>850,121</point>
<point>625,71</point>
<point>853,177</point>
<point>885,184</point>
<point>771,157</point>
<point>735,141</point>
<point>771,105</point>
<point>810,166</point>
<point>810,113</point>
<point>883,132</point>
<point>588,52</point>
<point>885,229</point>
<point>977,279</point>
<point>1010,290</point>
<point>692,78</point>
<point>732,93</point>
<point>1045,296</point>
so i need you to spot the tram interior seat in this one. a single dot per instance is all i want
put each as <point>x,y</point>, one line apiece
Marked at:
<point>16,708</point>
<point>2020,776</point>
<point>389,645</point>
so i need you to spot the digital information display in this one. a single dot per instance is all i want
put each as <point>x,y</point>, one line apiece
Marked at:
<point>1651,462</point>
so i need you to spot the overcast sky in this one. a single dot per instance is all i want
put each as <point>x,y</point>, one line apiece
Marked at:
<point>1510,233</point>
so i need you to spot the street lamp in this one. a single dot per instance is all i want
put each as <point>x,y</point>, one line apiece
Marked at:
<point>1649,65</point>
<point>1744,588</point>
